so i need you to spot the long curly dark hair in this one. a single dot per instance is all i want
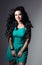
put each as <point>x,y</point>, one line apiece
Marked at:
<point>12,23</point>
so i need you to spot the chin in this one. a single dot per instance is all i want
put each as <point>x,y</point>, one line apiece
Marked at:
<point>18,20</point>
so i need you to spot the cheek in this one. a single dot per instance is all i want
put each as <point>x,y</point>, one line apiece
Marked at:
<point>20,17</point>
<point>15,17</point>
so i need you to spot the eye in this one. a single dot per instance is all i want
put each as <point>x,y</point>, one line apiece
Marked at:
<point>15,14</point>
<point>20,14</point>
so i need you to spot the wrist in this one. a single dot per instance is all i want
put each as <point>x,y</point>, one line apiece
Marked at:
<point>12,49</point>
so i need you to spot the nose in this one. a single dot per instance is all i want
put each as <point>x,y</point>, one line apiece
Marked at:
<point>18,17</point>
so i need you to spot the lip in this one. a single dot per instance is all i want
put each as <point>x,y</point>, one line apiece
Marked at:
<point>18,18</point>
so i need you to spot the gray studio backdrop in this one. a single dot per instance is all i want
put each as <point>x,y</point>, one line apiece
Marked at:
<point>34,10</point>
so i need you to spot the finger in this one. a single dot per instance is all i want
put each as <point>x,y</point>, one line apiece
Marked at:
<point>19,55</point>
<point>15,54</point>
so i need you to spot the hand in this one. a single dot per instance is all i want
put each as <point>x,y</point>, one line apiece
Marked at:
<point>19,53</point>
<point>13,53</point>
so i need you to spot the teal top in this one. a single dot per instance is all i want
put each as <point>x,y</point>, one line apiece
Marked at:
<point>18,42</point>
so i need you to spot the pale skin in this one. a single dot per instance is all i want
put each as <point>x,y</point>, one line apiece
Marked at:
<point>18,17</point>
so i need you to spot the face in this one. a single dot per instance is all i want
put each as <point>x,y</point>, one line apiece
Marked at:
<point>18,16</point>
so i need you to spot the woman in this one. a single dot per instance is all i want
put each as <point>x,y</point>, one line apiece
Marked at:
<point>19,34</point>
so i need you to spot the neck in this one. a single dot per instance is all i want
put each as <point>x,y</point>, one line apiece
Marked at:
<point>19,22</point>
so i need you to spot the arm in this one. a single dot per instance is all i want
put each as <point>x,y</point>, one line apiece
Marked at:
<point>27,41</point>
<point>11,47</point>
<point>25,45</point>
<point>23,48</point>
<point>10,42</point>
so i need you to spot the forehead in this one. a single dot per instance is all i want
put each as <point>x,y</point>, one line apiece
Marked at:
<point>17,12</point>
